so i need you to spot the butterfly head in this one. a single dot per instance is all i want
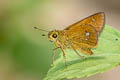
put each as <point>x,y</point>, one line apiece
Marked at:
<point>53,35</point>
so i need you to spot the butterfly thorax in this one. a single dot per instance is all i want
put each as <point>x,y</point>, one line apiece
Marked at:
<point>59,38</point>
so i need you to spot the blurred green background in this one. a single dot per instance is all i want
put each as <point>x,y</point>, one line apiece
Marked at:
<point>24,53</point>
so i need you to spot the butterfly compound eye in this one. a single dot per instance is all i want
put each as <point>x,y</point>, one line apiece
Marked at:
<point>54,35</point>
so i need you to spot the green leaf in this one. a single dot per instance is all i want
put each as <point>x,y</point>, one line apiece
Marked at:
<point>106,56</point>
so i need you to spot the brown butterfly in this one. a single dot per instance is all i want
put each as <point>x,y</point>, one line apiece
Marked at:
<point>81,36</point>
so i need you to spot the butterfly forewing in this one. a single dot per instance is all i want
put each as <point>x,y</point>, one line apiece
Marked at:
<point>97,21</point>
<point>84,35</point>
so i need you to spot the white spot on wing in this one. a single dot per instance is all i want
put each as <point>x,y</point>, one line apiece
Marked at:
<point>87,33</point>
<point>86,39</point>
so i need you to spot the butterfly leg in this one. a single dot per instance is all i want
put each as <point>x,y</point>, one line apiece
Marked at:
<point>64,56</point>
<point>85,50</point>
<point>53,54</point>
<point>76,52</point>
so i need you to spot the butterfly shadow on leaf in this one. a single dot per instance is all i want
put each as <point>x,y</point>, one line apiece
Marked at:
<point>84,59</point>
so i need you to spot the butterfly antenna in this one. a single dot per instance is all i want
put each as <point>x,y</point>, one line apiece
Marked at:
<point>40,29</point>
